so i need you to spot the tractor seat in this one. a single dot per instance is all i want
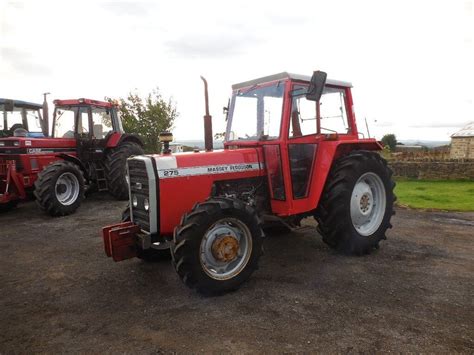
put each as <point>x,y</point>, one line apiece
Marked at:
<point>98,131</point>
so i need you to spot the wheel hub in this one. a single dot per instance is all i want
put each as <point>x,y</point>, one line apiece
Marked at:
<point>61,188</point>
<point>67,188</point>
<point>368,203</point>
<point>365,202</point>
<point>225,248</point>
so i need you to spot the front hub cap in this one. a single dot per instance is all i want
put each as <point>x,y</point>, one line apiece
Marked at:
<point>225,249</point>
<point>368,202</point>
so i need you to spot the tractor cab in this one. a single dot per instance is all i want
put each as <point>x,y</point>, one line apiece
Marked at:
<point>84,118</point>
<point>281,114</point>
<point>88,123</point>
<point>21,119</point>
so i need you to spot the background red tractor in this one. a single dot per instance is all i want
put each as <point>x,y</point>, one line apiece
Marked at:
<point>292,150</point>
<point>87,149</point>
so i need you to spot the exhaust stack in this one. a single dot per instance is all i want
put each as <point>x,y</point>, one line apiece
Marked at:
<point>45,121</point>
<point>208,142</point>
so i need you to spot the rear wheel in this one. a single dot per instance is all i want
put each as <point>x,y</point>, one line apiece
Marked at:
<point>357,203</point>
<point>59,188</point>
<point>151,254</point>
<point>217,245</point>
<point>115,168</point>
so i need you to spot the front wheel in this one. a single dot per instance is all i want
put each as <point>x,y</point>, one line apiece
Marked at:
<point>217,246</point>
<point>59,188</point>
<point>357,203</point>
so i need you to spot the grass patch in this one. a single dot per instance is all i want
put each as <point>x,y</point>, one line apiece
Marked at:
<point>442,195</point>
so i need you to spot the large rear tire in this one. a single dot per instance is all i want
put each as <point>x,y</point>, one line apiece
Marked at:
<point>151,254</point>
<point>115,168</point>
<point>217,245</point>
<point>59,188</point>
<point>357,203</point>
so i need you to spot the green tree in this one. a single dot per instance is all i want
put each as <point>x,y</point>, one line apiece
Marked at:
<point>147,117</point>
<point>390,140</point>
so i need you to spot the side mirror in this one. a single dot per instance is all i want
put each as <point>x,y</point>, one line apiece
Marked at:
<point>316,86</point>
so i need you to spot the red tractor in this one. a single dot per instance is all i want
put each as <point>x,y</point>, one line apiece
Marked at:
<point>292,150</point>
<point>87,149</point>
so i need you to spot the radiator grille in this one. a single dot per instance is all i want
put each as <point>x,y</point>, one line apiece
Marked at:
<point>139,187</point>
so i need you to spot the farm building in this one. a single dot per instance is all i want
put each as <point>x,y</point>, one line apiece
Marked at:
<point>462,143</point>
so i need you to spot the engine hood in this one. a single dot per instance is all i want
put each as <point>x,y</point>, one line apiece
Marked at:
<point>209,163</point>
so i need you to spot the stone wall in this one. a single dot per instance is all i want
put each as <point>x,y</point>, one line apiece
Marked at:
<point>462,148</point>
<point>434,170</point>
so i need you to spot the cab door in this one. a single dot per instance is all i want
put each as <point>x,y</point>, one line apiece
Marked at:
<point>312,127</point>
<point>302,147</point>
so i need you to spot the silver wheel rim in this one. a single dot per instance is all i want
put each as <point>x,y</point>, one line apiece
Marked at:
<point>368,202</point>
<point>67,188</point>
<point>225,249</point>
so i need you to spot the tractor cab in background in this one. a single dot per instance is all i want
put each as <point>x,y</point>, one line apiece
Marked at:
<point>21,119</point>
<point>88,125</point>
<point>86,150</point>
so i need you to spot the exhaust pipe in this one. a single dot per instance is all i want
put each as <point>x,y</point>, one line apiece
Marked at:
<point>208,142</point>
<point>45,122</point>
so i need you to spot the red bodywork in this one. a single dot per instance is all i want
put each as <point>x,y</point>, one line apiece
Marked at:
<point>179,193</point>
<point>22,158</point>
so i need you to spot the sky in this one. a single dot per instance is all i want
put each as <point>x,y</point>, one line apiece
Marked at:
<point>410,62</point>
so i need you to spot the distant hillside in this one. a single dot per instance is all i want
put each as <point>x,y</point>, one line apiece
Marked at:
<point>219,144</point>
<point>199,144</point>
<point>426,143</point>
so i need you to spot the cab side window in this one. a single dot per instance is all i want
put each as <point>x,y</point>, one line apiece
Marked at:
<point>333,111</point>
<point>303,114</point>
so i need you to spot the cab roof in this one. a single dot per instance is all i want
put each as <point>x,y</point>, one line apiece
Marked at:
<point>22,104</point>
<point>82,101</point>
<point>285,76</point>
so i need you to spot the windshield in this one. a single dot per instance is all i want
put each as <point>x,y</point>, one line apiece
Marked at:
<point>28,119</point>
<point>65,120</point>
<point>255,113</point>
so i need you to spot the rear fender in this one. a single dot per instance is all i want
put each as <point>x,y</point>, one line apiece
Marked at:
<point>327,154</point>
<point>76,161</point>
<point>116,138</point>
<point>345,148</point>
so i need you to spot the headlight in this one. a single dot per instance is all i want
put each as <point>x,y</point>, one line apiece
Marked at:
<point>2,144</point>
<point>146,204</point>
<point>134,201</point>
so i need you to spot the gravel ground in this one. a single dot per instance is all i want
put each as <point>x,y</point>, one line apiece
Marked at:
<point>59,293</point>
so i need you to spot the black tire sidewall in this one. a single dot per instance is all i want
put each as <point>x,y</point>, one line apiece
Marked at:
<point>119,155</point>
